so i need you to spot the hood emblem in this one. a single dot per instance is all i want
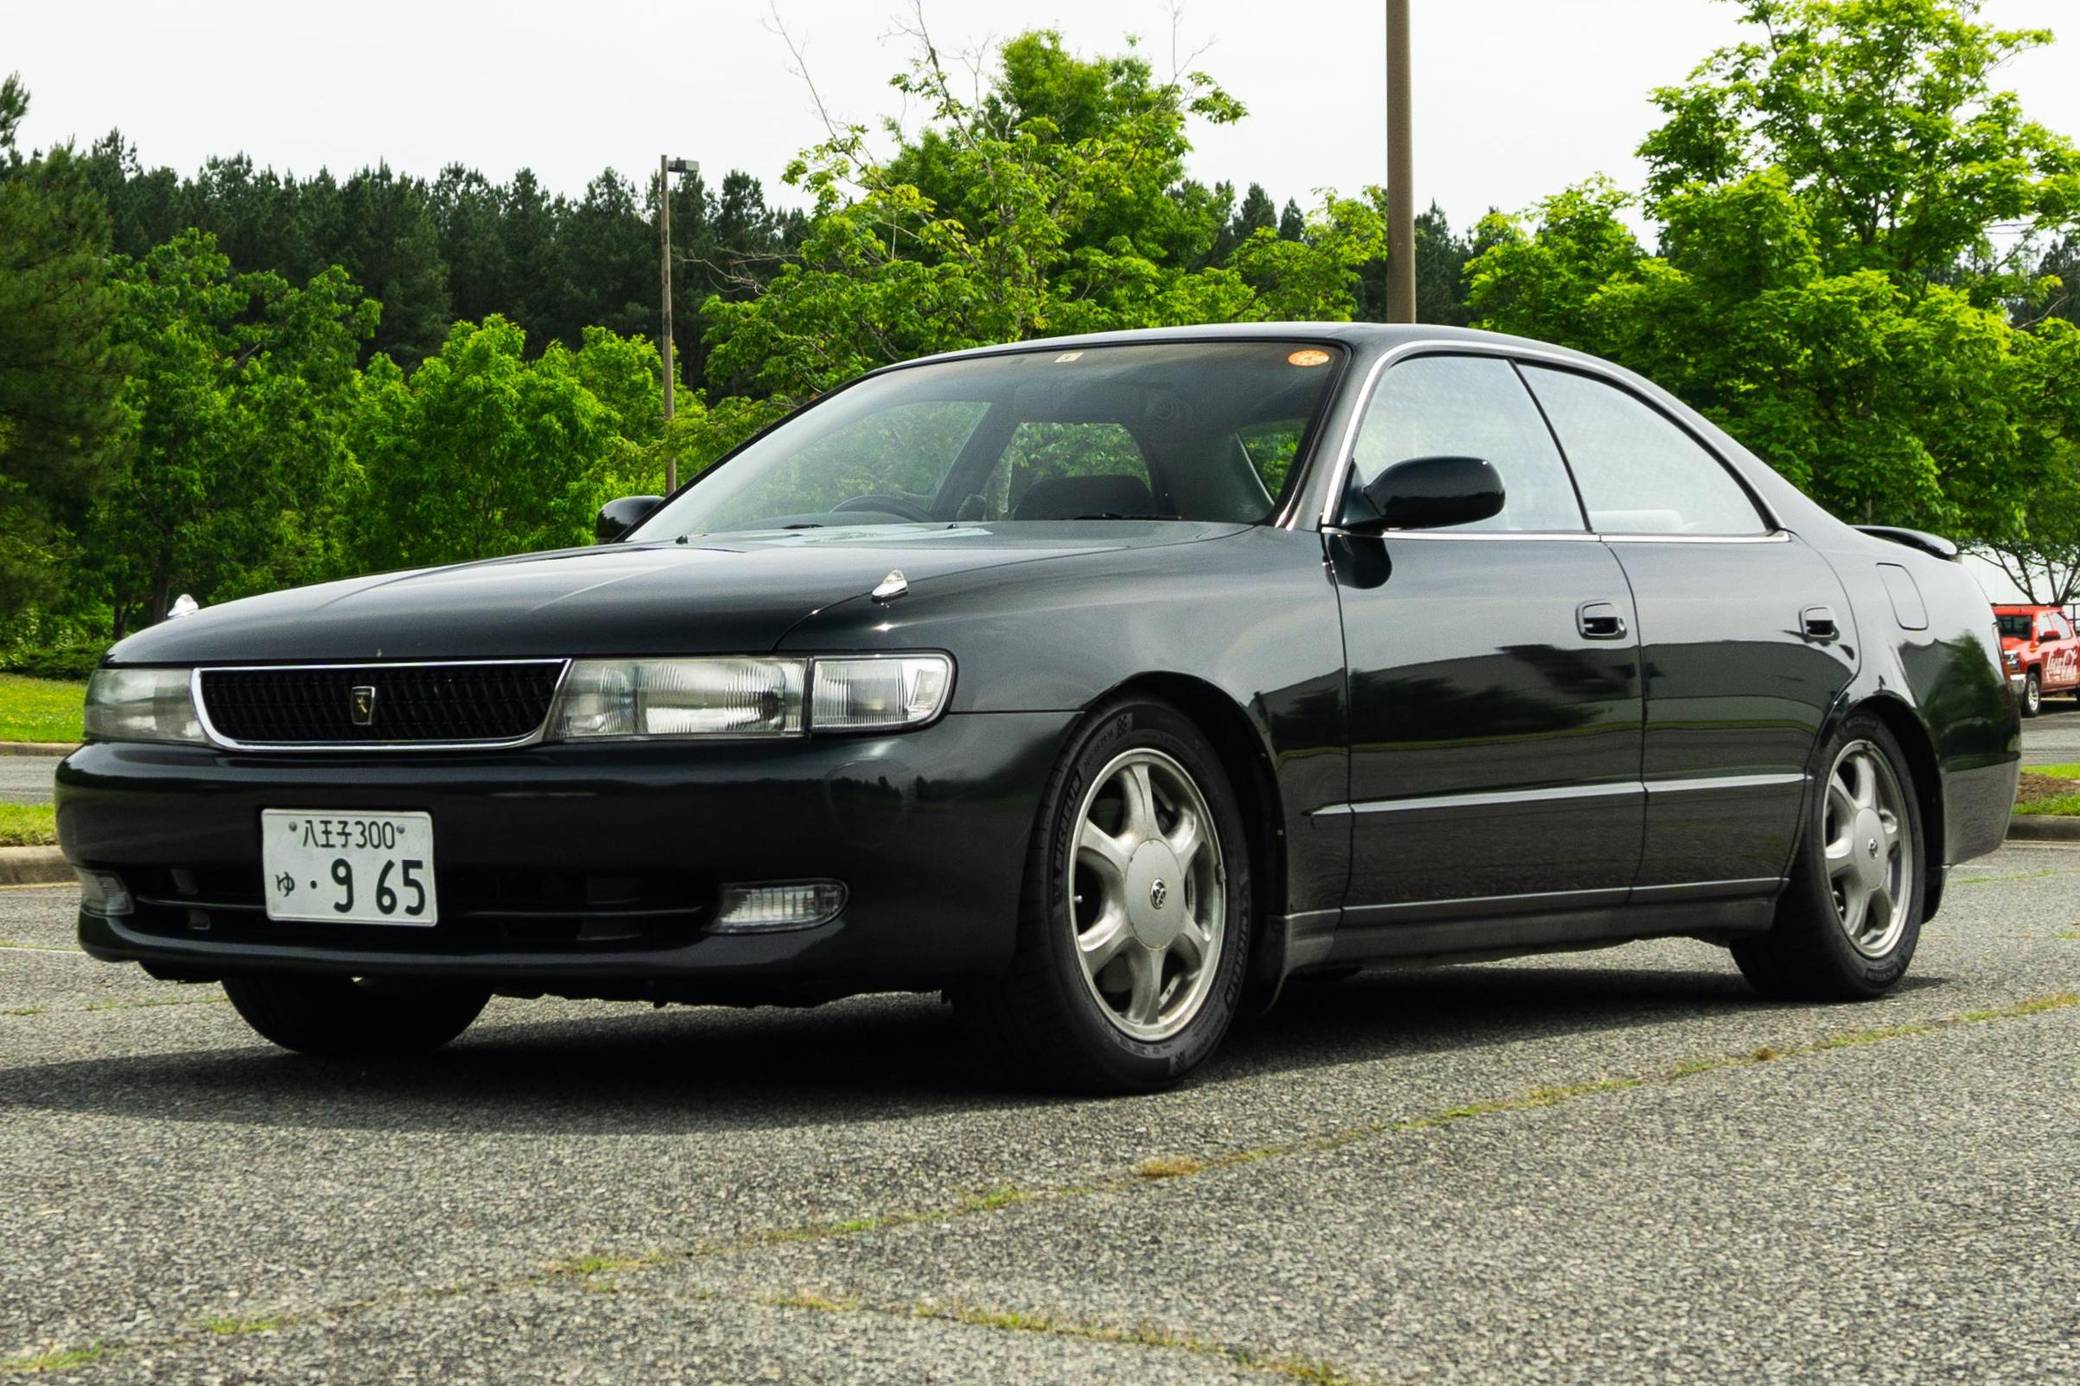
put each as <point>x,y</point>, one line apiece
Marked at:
<point>362,705</point>
<point>892,586</point>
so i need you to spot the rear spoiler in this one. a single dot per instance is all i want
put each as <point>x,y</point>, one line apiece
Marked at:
<point>1934,545</point>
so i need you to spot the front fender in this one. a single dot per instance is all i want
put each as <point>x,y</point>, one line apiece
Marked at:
<point>1252,614</point>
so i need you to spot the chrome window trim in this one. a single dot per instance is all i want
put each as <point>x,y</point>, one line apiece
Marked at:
<point>223,742</point>
<point>1544,535</point>
<point>1346,455</point>
<point>1775,536</point>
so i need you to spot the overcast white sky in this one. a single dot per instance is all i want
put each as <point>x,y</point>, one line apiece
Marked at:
<point>1514,98</point>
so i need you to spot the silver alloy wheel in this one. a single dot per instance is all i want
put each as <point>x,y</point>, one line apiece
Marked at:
<point>1869,849</point>
<point>1148,895</point>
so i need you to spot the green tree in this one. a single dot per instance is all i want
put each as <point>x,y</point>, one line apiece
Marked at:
<point>1826,284</point>
<point>1884,115</point>
<point>240,386</point>
<point>479,451</point>
<point>59,375</point>
<point>1051,202</point>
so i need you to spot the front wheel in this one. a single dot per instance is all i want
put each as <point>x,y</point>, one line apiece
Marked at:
<point>2032,694</point>
<point>1850,916</point>
<point>354,1017</point>
<point>1135,925</point>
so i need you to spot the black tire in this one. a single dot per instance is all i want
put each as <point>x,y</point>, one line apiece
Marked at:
<point>1807,955</point>
<point>354,1017</point>
<point>1040,1023</point>
<point>2032,694</point>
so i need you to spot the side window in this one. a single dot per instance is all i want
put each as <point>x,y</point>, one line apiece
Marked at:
<point>1470,406</point>
<point>1064,471</point>
<point>1639,472</point>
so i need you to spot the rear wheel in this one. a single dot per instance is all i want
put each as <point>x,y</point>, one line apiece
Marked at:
<point>2032,694</point>
<point>1135,927</point>
<point>354,1017</point>
<point>1850,916</point>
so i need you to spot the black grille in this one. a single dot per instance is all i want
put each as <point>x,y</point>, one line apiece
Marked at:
<point>411,702</point>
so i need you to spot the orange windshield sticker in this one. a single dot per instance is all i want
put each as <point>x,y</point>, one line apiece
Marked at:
<point>1308,356</point>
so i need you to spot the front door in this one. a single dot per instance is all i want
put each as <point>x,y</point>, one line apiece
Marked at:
<point>1495,704</point>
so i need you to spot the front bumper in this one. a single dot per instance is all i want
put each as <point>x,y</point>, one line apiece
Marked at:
<point>927,829</point>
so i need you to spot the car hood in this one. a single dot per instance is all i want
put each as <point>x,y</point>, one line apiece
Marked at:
<point>737,593</point>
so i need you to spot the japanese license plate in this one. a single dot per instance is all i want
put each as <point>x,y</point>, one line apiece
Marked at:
<point>351,867</point>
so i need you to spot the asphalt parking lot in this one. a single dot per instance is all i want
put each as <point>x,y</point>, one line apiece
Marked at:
<point>1617,1165</point>
<point>26,779</point>
<point>2053,736</point>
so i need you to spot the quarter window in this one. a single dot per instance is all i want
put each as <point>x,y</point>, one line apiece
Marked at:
<point>1470,406</point>
<point>1639,472</point>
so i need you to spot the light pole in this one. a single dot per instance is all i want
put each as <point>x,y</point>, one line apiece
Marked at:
<point>1401,193</point>
<point>666,167</point>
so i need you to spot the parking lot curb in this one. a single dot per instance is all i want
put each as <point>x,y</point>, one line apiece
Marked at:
<point>34,866</point>
<point>2036,827</point>
<point>38,748</point>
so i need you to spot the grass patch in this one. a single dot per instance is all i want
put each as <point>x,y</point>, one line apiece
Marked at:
<point>230,1328</point>
<point>1169,1167</point>
<point>2049,790</point>
<point>28,825</point>
<point>40,709</point>
<point>56,1360</point>
<point>2055,806</point>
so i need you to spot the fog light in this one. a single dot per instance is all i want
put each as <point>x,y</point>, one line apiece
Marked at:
<point>102,892</point>
<point>756,907</point>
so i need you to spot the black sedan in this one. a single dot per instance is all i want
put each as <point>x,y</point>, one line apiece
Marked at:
<point>1102,683</point>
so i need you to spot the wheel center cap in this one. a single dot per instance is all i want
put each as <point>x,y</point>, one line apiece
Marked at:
<point>1867,848</point>
<point>1155,898</point>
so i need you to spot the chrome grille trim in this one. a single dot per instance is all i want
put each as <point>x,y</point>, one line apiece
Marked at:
<point>218,739</point>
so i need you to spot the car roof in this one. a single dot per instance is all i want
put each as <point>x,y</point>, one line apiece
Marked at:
<point>1366,337</point>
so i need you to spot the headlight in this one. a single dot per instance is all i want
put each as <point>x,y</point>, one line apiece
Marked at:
<point>878,693</point>
<point>748,697</point>
<point>680,698</point>
<point>141,705</point>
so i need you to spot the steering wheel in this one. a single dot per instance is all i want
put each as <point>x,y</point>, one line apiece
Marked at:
<point>888,505</point>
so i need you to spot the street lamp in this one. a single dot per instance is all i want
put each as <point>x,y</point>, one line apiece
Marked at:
<point>666,167</point>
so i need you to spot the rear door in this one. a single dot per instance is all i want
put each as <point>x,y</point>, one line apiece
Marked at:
<point>1495,704</point>
<point>1743,631</point>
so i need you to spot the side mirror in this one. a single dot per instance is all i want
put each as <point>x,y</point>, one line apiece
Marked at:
<point>618,517</point>
<point>1427,493</point>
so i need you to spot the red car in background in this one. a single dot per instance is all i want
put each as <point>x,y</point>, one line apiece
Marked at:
<point>2040,653</point>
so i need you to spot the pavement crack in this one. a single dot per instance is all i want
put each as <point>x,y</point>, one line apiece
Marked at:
<point>143,1003</point>
<point>1156,1171</point>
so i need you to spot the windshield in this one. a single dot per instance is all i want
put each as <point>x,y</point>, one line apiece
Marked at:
<point>2014,627</point>
<point>1184,431</point>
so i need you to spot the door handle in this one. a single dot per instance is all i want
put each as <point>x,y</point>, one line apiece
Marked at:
<point>1599,621</point>
<point>1818,623</point>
